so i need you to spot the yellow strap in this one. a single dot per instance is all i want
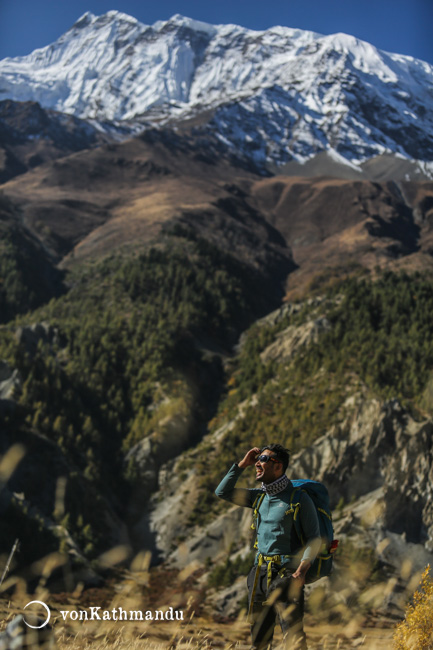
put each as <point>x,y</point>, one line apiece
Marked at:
<point>256,505</point>
<point>295,507</point>
<point>325,513</point>
<point>259,496</point>
<point>293,493</point>
<point>259,499</point>
<point>270,559</point>
<point>269,572</point>
<point>256,579</point>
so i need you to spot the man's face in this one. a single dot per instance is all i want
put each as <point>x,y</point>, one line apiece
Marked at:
<point>268,472</point>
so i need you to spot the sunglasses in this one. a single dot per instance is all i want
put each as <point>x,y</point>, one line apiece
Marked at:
<point>263,458</point>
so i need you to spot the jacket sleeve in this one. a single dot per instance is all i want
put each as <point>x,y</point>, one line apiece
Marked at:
<point>227,490</point>
<point>310,528</point>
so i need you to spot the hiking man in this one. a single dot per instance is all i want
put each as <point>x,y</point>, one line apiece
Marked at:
<point>276,581</point>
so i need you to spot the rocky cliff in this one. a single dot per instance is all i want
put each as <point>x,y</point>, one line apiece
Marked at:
<point>377,465</point>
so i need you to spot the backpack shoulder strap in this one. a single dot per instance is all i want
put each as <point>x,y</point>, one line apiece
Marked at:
<point>293,509</point>
<point>256,505</point>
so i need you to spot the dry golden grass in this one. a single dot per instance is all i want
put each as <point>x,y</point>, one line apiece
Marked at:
<point>345,611</point>
<point>333,621</point>
<point>416,631</point>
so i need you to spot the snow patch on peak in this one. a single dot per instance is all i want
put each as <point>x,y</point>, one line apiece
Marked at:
<point>119,15</point>
<point>345,41</point>
<point>347,44</point>
<point>184,21</point>
<point>338,158</point>
<point>84,20</point>
<point>364,56</point>
<point>294,33</point>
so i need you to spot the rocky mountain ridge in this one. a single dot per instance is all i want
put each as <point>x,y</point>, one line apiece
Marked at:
<point>84,205</point>
<point>270,97</point>
<point>31,136</point>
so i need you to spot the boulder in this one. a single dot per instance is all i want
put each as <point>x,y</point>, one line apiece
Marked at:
<point>294,337</point>
<point>144,460</point>
<point>29,337</point>
<point>10,382</point>
<point>225,602</point>
<point>379,445</point>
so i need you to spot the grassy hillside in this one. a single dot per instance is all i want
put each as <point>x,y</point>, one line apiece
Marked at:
<point>28,278</point>
<point>129,346</point>
<point>378,341</point>
<point>137,341</point>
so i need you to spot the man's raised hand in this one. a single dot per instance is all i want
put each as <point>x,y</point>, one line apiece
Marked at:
<point>249,458</point>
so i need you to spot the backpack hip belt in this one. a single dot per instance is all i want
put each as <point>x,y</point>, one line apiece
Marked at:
<point>271,560</point>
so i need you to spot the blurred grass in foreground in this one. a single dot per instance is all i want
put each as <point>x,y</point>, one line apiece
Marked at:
<point>345,611</point>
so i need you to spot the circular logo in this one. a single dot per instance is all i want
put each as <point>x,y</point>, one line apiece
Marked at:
<point>39,602</point>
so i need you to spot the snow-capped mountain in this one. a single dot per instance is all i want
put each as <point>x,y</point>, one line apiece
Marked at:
<point>273,96</point>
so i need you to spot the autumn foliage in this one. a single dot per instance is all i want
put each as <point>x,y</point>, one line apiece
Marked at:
<point>416,631</point>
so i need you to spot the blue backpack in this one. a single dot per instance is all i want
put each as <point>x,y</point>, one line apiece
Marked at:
<point>322,565</point>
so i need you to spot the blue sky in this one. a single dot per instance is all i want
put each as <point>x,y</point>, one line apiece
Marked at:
<point>402,26</point>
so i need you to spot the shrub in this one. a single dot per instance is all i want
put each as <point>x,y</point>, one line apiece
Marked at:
<point>416,631</point>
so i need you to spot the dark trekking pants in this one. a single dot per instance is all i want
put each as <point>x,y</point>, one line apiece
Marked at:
<point>283,599</point>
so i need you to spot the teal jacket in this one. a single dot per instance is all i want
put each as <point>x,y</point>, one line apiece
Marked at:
<point>276,533</point>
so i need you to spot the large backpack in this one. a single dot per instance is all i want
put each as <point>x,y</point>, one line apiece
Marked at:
<point>322,565</point>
